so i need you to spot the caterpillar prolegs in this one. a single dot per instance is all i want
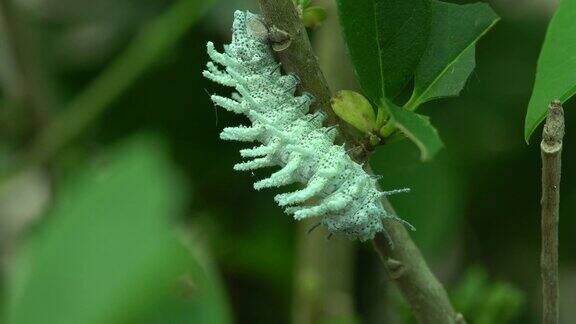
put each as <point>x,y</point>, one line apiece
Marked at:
<point>346,197</point>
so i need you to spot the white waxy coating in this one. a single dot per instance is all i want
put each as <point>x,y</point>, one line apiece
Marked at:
<point>347,199</point>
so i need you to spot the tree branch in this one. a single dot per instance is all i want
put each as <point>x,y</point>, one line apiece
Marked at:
<point>298,57</point>
<point>324,273</point>
<point>551,151</point>
<point>405,265</point>
<point>403,262</point>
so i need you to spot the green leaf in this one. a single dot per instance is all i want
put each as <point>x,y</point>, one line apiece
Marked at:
<point>450,83</point>
<point>313,16</point>
<point>107,252</point>
<point>385,39</point>
<point>201,299</point>
<point>354,109</point>
<point>449,56</point>
<point>418,129</point>
<point>556,72</point>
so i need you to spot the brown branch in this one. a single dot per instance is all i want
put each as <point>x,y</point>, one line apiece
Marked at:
<point>298,57</point>
<point>324,272</point>
<point>405,265</point>
<point>551,151</point>
<point>404,262</point>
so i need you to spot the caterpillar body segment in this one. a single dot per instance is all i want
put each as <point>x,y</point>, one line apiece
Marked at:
<point>336,189</point>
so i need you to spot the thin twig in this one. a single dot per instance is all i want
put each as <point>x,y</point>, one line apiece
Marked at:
<point>551,151</point>
<point>154,40</point>
<point>404,263</point>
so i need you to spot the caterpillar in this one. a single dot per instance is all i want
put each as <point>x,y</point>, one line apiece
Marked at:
<point>347,200</point>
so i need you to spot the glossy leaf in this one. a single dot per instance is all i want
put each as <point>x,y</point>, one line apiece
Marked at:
<point>556,72</point>
<point>418,129</point>
<point>449,56</point>
<point>385,39</point>
<point>354,109</point>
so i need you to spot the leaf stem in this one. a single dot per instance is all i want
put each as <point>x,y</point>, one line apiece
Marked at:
<point>551,151</point>
<point>404,263</point>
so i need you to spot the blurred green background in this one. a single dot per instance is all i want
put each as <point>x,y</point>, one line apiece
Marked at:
<point>118,202</point>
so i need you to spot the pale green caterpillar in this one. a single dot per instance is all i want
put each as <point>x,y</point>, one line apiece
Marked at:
<point>347,199</point>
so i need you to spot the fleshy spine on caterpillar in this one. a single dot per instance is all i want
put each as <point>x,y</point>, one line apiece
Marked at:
<point>346,197</point>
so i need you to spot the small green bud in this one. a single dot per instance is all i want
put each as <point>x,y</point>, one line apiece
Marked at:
<point>354,109</point>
